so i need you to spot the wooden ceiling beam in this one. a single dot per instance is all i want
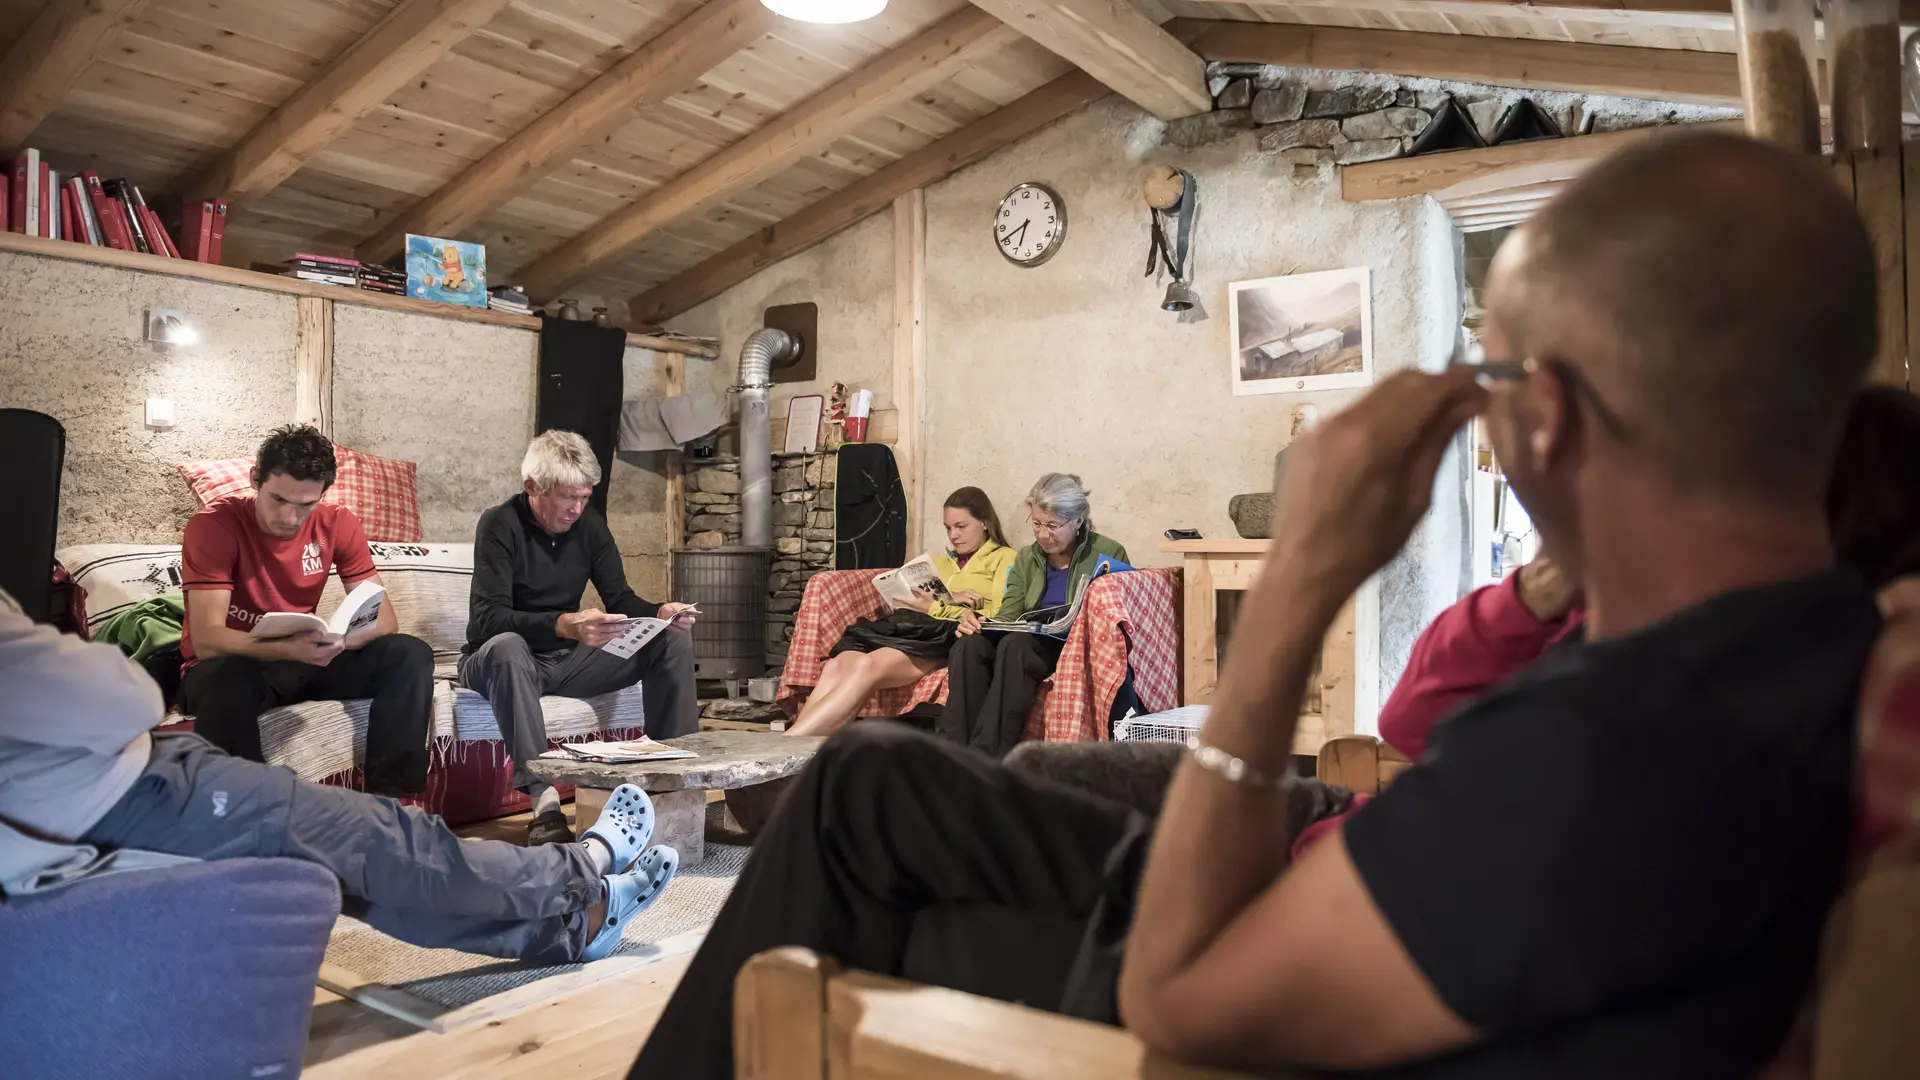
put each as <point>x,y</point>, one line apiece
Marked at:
<point>866,196</point>
<point>58,47</point>
<point>398,48</point>
<point>1112,41</point>
<point>1624,71</point>
<point>669,63</point>
<point>1467,174</point>
<point>929,58</point>
<point>1671,14</point>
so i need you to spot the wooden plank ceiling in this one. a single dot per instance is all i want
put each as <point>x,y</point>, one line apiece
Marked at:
<point>343,115</point>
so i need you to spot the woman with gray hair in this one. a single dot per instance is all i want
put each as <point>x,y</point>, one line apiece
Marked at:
<point>993,676</point>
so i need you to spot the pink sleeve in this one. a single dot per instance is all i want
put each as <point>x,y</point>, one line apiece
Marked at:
<point>1482,640</point>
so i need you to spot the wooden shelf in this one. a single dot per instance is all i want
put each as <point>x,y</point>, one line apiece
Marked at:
<point>1234,546</point>
<point>250,279</point>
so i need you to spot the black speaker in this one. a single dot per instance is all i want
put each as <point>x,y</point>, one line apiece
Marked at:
<point>34,447</point>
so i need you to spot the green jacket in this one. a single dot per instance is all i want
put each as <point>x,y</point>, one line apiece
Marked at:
<point>146,627</point>
<point>1028,578</point>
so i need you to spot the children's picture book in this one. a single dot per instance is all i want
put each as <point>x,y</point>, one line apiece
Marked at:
<point>357,612</point>
<point>620,753</point>
<point>898,587</point>
<point>634,637</point>
<point>1056,621</point>
<point>450,271</point>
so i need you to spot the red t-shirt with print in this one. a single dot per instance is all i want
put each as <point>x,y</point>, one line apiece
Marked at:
<point>225,548</point>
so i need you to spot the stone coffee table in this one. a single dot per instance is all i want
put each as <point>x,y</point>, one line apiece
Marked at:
<point>724,761</point>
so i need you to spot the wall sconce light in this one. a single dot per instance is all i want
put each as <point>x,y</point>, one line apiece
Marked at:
<point>166,326</point>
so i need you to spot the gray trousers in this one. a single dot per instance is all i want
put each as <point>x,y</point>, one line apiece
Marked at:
<point>407,874</point>
<point>512,677</point>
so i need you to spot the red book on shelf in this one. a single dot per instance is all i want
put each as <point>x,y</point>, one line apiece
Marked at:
<point>218,231</point>
<point>22,219</point>
<point>47,203</point>
<point>196,230</point>
<point>113,225</point>
<point>6,201</point>
<point>157,234</point>
<point>69,229</point>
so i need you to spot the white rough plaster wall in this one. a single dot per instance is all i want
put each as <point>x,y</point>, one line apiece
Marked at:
<point>850,277</point>
<point>72,345</point>
<point>455,397</point>
<point>1073,366</point>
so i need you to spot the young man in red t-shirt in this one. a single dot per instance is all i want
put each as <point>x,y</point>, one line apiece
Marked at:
<point>248,555</point>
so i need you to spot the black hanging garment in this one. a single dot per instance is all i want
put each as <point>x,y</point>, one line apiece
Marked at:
<point>870,510</point>
<point>580,388</point>
<point>34,446</point>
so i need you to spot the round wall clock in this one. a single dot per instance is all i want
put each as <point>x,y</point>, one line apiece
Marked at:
<point>1030,224</point>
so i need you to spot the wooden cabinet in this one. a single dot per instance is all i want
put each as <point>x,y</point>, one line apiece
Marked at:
<point>1214,572</point>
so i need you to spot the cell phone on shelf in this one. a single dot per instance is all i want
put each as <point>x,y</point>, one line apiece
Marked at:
<point>1183,534</point>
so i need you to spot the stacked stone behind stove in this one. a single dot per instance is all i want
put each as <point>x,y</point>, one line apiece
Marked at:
<point>803,516</point>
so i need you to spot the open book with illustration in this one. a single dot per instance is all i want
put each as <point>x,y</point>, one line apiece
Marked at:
<point>1056,621</point>
<point>357,612</point>
<point>619,753</point>
<point>897,587</point>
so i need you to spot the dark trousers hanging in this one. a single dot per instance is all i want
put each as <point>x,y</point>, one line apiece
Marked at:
<point>580,388</point>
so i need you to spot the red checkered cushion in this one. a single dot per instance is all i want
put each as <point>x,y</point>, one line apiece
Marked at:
<point>1127,614</point>
<point>380,491</point>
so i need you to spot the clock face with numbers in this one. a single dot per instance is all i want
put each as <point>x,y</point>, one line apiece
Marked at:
<point>1030,224</point>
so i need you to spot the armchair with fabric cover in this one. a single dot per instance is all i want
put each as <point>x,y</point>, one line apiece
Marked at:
<point>203,970</point>
<point>1129,619</point>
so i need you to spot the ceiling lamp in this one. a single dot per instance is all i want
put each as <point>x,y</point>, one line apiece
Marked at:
<point>827,11</point>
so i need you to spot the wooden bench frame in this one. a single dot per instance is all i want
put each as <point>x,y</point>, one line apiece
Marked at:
<point>798,1016</point>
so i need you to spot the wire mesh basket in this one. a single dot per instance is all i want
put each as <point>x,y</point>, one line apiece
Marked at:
<point>730,586</point>
<point>1174,725</point>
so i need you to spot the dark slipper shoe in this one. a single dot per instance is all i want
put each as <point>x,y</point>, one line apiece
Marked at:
<point>549,828</point>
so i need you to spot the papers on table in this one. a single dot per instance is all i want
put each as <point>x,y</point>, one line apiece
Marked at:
<point>619,753</point>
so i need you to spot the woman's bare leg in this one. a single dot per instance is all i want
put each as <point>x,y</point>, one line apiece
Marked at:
<point>849,680</point>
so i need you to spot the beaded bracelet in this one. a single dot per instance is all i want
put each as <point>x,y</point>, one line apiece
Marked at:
<point>1230,768</point>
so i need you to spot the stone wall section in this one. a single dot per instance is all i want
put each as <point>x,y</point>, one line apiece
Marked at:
<point>1313,118</point>
<point>803,516</point>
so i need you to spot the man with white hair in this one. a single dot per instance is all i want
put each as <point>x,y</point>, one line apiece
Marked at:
<point>526,635</point>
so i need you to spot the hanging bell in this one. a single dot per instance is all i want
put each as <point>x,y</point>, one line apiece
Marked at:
<point>1179,297</point>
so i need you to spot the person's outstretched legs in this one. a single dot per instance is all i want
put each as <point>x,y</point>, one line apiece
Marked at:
<point>848,680</point>
<point>421,882</point>
<point>885,824</point>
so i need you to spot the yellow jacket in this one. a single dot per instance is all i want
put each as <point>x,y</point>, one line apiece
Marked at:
<point>985,573</point>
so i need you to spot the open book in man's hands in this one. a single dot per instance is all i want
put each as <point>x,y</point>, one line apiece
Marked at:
<point>357,612</point>
<point>898,587</point>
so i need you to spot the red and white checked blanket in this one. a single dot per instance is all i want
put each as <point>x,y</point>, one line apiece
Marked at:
<point>1131,615</point>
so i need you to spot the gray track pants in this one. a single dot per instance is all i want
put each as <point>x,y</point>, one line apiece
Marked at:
<point>512,677</point>
<point>414,878</point>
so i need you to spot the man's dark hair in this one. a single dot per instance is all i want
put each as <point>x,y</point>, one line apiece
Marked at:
<point>297,450</point>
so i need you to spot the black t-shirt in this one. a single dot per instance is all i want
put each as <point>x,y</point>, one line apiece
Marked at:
<point>1617,865</point>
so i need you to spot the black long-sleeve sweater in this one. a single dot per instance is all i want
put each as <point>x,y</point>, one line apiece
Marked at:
<point>525,578</point>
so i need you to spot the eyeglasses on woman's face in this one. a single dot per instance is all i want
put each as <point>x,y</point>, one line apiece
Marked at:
<point>1050,528</point>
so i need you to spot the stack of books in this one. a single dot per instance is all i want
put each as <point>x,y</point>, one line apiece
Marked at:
<point>509,298</point>
<point>324,269</point>
<point>38,200</point>
<point>383,279</point>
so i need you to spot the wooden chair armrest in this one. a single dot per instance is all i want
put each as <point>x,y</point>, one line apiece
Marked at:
<point>798,1017</point>
<point>1359,763</point>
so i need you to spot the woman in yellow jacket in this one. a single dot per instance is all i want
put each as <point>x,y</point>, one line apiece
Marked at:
<point>901,648</point>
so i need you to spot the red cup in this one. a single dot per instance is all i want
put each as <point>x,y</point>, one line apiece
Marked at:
<point>856,429</point>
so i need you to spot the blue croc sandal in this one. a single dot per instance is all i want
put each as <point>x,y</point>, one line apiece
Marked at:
<point>625,826</point>
<point>629,894</point>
